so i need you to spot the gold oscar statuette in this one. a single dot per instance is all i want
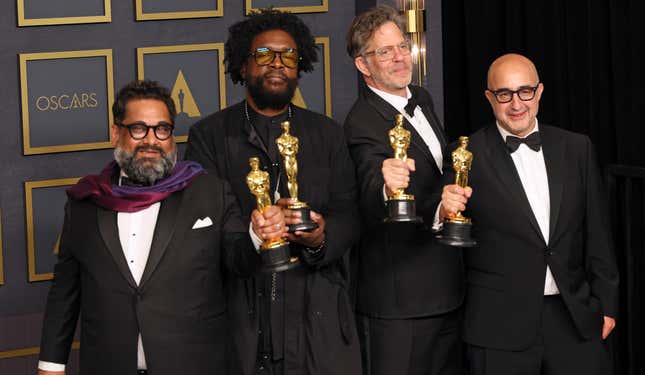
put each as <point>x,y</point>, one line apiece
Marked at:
<point>274,252</point>
<point>401,206</point>
<point>456,227</point>
<point>288,148</point>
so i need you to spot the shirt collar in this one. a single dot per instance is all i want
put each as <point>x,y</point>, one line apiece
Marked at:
<point>504,133</point>
<point>396,101</point>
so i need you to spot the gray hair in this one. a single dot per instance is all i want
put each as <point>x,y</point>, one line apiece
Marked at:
<point>366,23</point>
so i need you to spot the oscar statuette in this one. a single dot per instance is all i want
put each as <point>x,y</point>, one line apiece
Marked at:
<point>456,227</point>
<point>401,207</point>
<point>288,148</point>
<point>274,252</point>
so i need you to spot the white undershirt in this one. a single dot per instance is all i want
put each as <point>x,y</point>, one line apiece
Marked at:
<point>532,171</point>
<point>136,230</point>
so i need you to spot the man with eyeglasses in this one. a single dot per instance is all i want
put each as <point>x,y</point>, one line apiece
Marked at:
<point>142,255</point>
<point>410,287</point>
<point>542,281</point>
<point>299,321</point>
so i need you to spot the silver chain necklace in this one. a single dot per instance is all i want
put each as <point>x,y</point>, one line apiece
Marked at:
<point>248,118</point>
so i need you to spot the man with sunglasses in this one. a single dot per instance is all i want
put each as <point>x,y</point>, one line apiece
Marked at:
<point>542,281</point>
<point>142,255</point>
<point>409,286</point>
<point>298,321</point>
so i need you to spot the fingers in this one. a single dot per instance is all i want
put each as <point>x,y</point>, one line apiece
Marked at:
<point>396,173</point>
<point>454,198</point>
<point>608,325</point>
<point>284,202</point>
<point>310,239</point>
<point>291,216</point>
<point>410,164</point>
<point>270,224</point>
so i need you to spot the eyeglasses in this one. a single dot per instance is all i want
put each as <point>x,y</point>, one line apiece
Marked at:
<point>265,56</point>
<point>139,130</point>
<point>387,53</point>
<point>525,93</point>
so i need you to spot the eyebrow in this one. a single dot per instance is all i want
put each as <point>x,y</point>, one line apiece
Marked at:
<point>519,88</point>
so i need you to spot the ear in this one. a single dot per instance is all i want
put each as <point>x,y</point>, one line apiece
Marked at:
<point>361,65</point>
<point>243,72</point>
<point>491,97</point>
<point>540,89</point>
<point>114,135</point>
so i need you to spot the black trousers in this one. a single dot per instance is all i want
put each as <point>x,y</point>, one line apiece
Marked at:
<point>419,346</point>
<point>557,350</point>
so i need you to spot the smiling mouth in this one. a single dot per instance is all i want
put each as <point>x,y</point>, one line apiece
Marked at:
<point>517,116</point>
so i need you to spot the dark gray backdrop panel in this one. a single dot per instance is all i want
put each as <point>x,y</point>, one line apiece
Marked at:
<point>63,8</point>
<point>51,125</point>
<point>154,6</point>
<point>201,72</point>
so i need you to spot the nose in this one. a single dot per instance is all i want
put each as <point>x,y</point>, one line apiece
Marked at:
<point>398,55</point>
<point>516,102</point>
<point>150,138</point>
<point>277,60</point>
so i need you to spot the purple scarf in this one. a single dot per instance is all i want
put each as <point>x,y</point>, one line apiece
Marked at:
<point>101,191</point>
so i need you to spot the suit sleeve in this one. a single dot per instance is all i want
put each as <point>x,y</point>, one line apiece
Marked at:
<point>368,153</point>
<point>600,262</point>
<point>63,302</point>
<point>239,254</point>
<point>342,226</point>
<point>200,148</point>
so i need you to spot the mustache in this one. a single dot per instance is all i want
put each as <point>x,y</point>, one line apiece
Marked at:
<point>148,148</point>
<point>275,75</point>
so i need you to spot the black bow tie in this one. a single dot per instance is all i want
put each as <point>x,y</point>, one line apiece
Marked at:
<point>533,141</point>
<point>413,102</point>
<point>125,181</point>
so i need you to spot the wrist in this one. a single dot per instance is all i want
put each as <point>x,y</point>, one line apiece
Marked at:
<point>316,249</point>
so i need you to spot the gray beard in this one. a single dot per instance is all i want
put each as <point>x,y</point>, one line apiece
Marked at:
<point>145,171</point>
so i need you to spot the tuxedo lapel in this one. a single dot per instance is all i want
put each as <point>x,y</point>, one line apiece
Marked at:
<point>502,164</point>
<point>434,123</point>
<point>388,112</point>
<point>164,229</point>
<point>553,151</point>
<point>109,230</point>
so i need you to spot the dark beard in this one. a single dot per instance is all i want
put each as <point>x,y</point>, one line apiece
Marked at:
<point>274,100</point>
<point>138,171</point>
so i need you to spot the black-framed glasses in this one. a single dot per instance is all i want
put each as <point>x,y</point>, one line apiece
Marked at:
<point>525,93</point>
<point>387,52</point>
<point>265,56</point>
<point>139,130</point>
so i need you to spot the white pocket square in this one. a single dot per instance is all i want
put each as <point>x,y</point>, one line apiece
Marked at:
<point>202,223</point>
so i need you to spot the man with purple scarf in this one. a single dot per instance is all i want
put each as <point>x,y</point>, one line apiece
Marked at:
<point>145,249</point>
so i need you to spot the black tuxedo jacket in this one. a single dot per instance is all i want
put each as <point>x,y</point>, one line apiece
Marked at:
<point>402,271</point>
<point>506,270</point>
<point>178,306</point>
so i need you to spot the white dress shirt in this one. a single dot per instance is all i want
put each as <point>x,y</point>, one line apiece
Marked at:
<point>418,121</point>
<point>532,171</point>
<point>136,230</point>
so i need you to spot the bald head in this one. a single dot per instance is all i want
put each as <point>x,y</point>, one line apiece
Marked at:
<point>508,64</point>
<point>514,92</point>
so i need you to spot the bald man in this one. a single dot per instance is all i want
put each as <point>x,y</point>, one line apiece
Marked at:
<point>542,284</point>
